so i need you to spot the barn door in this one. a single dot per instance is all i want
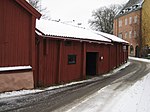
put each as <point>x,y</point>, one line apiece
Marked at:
<point>91,63</point>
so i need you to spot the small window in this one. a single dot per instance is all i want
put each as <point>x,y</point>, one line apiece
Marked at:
<point>129,9</point>
<point>135,6</point>
<point>120,23</point>
<point>126,21</point>
<point>135,34</point>
<point>130,34</point>
<point>135,19</point>
<point>126,35</point>
<point>123,11</point>
<point>131,50</point>
<point>68,43</point>
<point>71,59</point>
<point>120,35</point>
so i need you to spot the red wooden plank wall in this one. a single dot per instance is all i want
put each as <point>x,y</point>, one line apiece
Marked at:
<point>52,60</point>
<point>103,52</point>
<point>48,62</point>
<point>113,56</point>
<point>71,72</point>
<point>15,46</point>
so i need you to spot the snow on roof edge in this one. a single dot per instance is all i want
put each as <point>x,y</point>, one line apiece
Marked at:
<point>112,37</point>
<point>69,31</point>
<point>60,29</point>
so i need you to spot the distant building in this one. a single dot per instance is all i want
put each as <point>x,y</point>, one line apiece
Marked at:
<point>131,24</point>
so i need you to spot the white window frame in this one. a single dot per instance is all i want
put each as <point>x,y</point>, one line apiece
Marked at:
<point>120,23</point>
<point>135,19</point>
<point>126,21</point>
<point>130,34</point>
<point>135,34</point>
<point>120,35</point>
<point>126,34</point>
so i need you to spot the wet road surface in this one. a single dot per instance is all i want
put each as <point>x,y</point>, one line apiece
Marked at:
<point>51,100</point>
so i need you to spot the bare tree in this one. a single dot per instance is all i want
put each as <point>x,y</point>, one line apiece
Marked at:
<point>103,18</point>
<point>37,5</point>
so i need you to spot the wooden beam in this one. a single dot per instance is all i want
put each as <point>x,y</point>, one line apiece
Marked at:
<point>32,51</point>
<point>83,60</point>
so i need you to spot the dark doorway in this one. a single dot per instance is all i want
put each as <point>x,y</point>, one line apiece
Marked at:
<point>91,63</point>
<point>137,51</point>
<point>131,50</point>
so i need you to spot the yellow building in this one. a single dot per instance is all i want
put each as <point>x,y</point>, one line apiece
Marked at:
<point>146,27</point>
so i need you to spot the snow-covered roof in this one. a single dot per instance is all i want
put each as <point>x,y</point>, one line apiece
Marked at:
<point>112,37</point>
<point>63,30</point>
<point>132,5</point>
<point>27,1</point>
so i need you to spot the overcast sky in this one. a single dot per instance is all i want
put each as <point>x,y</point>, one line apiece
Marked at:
<point>78,10</point>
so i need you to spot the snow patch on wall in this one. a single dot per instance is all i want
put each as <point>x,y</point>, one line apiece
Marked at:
<point>14,68</point>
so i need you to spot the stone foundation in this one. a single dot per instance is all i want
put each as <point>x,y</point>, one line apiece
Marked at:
<point>16,81</point>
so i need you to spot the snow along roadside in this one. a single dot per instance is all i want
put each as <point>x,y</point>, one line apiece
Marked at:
<point>25,92</point>
<point>134,99</point>
<point>140,59</point>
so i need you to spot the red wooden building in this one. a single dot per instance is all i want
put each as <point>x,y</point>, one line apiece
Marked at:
<point>66,53</point>
<point>17,44</point>
<point>53,53</point>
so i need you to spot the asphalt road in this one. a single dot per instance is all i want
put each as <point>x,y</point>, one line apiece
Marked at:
<point>52,100</point>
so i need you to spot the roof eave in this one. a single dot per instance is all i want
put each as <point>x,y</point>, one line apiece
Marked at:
<point>120,15</point>
<point>71,38</point>
<point>29,8</point>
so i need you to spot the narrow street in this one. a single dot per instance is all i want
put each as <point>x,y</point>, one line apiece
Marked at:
<point>58,99</point>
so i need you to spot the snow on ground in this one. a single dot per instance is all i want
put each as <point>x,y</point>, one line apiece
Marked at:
<point>128,98</point>
<point>24,92</point>
<point>133,99</point>
<point>140,59</point>
<point>18,93</point>
<point>117,69</point>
